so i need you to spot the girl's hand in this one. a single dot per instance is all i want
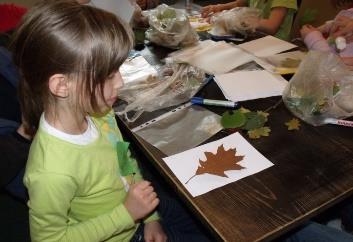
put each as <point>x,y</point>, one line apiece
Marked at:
<point>306,29</point>
<point>141,200</point>
<point>343,26</point>
<point>211,9</point>
<point>154,232</point>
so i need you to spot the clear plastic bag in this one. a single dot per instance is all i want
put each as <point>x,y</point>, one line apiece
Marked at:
<point>241,20</point>
<point>170,27</point>
<point>321,89</point>
<point>177,84</point>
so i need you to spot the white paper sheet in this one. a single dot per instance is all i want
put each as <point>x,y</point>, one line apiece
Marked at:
<point>214,57</point>
<point>122,8</point>
<point>185,164</point>
<point>248,85</point>
<point>266,46</point>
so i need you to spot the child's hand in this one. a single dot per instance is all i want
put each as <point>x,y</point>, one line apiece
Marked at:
<point>141,200</point>
<point>343,26</point>
<point>306,29</point>
<point>211,9</point>
<point>154,232</point>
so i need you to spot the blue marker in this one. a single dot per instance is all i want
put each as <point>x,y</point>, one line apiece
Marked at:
<point>202,101</point>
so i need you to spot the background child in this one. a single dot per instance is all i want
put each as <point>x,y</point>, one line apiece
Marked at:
<point>277,15</point>
<point>69,56</point>
<point>323,37</point>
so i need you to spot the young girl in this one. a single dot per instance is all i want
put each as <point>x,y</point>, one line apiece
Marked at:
<point>277,15</point>
<point>69,56</point>
<point>323,38</point>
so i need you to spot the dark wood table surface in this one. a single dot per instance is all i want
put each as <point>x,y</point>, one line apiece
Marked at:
<point>313,170</point>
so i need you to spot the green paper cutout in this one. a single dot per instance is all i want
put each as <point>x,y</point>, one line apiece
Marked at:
<point>127,165</point>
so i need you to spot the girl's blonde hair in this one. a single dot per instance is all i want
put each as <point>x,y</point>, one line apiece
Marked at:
<point>85,43</point>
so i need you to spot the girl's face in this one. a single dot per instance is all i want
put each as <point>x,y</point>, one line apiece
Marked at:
<point>110,92</point>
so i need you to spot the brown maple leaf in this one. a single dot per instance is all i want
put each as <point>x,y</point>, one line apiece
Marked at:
<point>217,164</point>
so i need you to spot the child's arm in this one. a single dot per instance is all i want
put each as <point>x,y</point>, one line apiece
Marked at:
<point>271,25</point>
<point>211,9</point>
<point>50,202</point>
<point>313,38</point>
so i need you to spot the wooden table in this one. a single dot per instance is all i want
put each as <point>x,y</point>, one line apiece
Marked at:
<point>313,170</point>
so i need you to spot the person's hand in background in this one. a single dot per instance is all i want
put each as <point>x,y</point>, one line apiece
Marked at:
<point>343,26</point>
<point>306,29</point>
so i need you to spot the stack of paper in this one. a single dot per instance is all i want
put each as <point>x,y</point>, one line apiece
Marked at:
<point>248,85</point>
<point>266,46</point>
<point>213,57</point>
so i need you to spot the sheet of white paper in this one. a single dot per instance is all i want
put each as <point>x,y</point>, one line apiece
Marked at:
<point>248,85</point>
<point>266,46</point>
<point>214,57</point>
<point>185,164</point>
<point>122,8</point>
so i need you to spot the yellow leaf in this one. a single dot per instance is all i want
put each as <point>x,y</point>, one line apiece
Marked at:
<point>244,110</point>
<point>257,133</point>
<point>264,114</point>
<point>293,124</point>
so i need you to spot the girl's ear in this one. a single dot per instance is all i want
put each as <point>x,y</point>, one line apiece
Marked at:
<point>59,85</point>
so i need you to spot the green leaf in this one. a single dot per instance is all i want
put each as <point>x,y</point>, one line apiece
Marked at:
<point>233,119</point>
<point>166,14</point>
<point>336,89</point>
<point>254,121</point>
<point>127,165</point>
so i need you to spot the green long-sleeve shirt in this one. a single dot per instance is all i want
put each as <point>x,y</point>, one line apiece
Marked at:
<point>76,191</point>
<point>266,6</point>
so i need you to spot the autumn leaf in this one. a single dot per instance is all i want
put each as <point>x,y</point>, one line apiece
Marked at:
<point>257,133</point>
<point>293,124</point>
<point>234,119</point>
<point>244,110</point>
<point>217,164</point>
<point>255,120</point>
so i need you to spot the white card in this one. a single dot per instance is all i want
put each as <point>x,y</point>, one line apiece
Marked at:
<point>184,165</point>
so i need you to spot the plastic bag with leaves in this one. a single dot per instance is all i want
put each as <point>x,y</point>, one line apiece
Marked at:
<point>321,89</point>
<point>176,84</point>
<point>170,27</point>
<point>241,20</point>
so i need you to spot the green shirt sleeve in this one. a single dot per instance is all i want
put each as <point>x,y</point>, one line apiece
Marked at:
<point>291,4</point>
<point>50,195</point>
